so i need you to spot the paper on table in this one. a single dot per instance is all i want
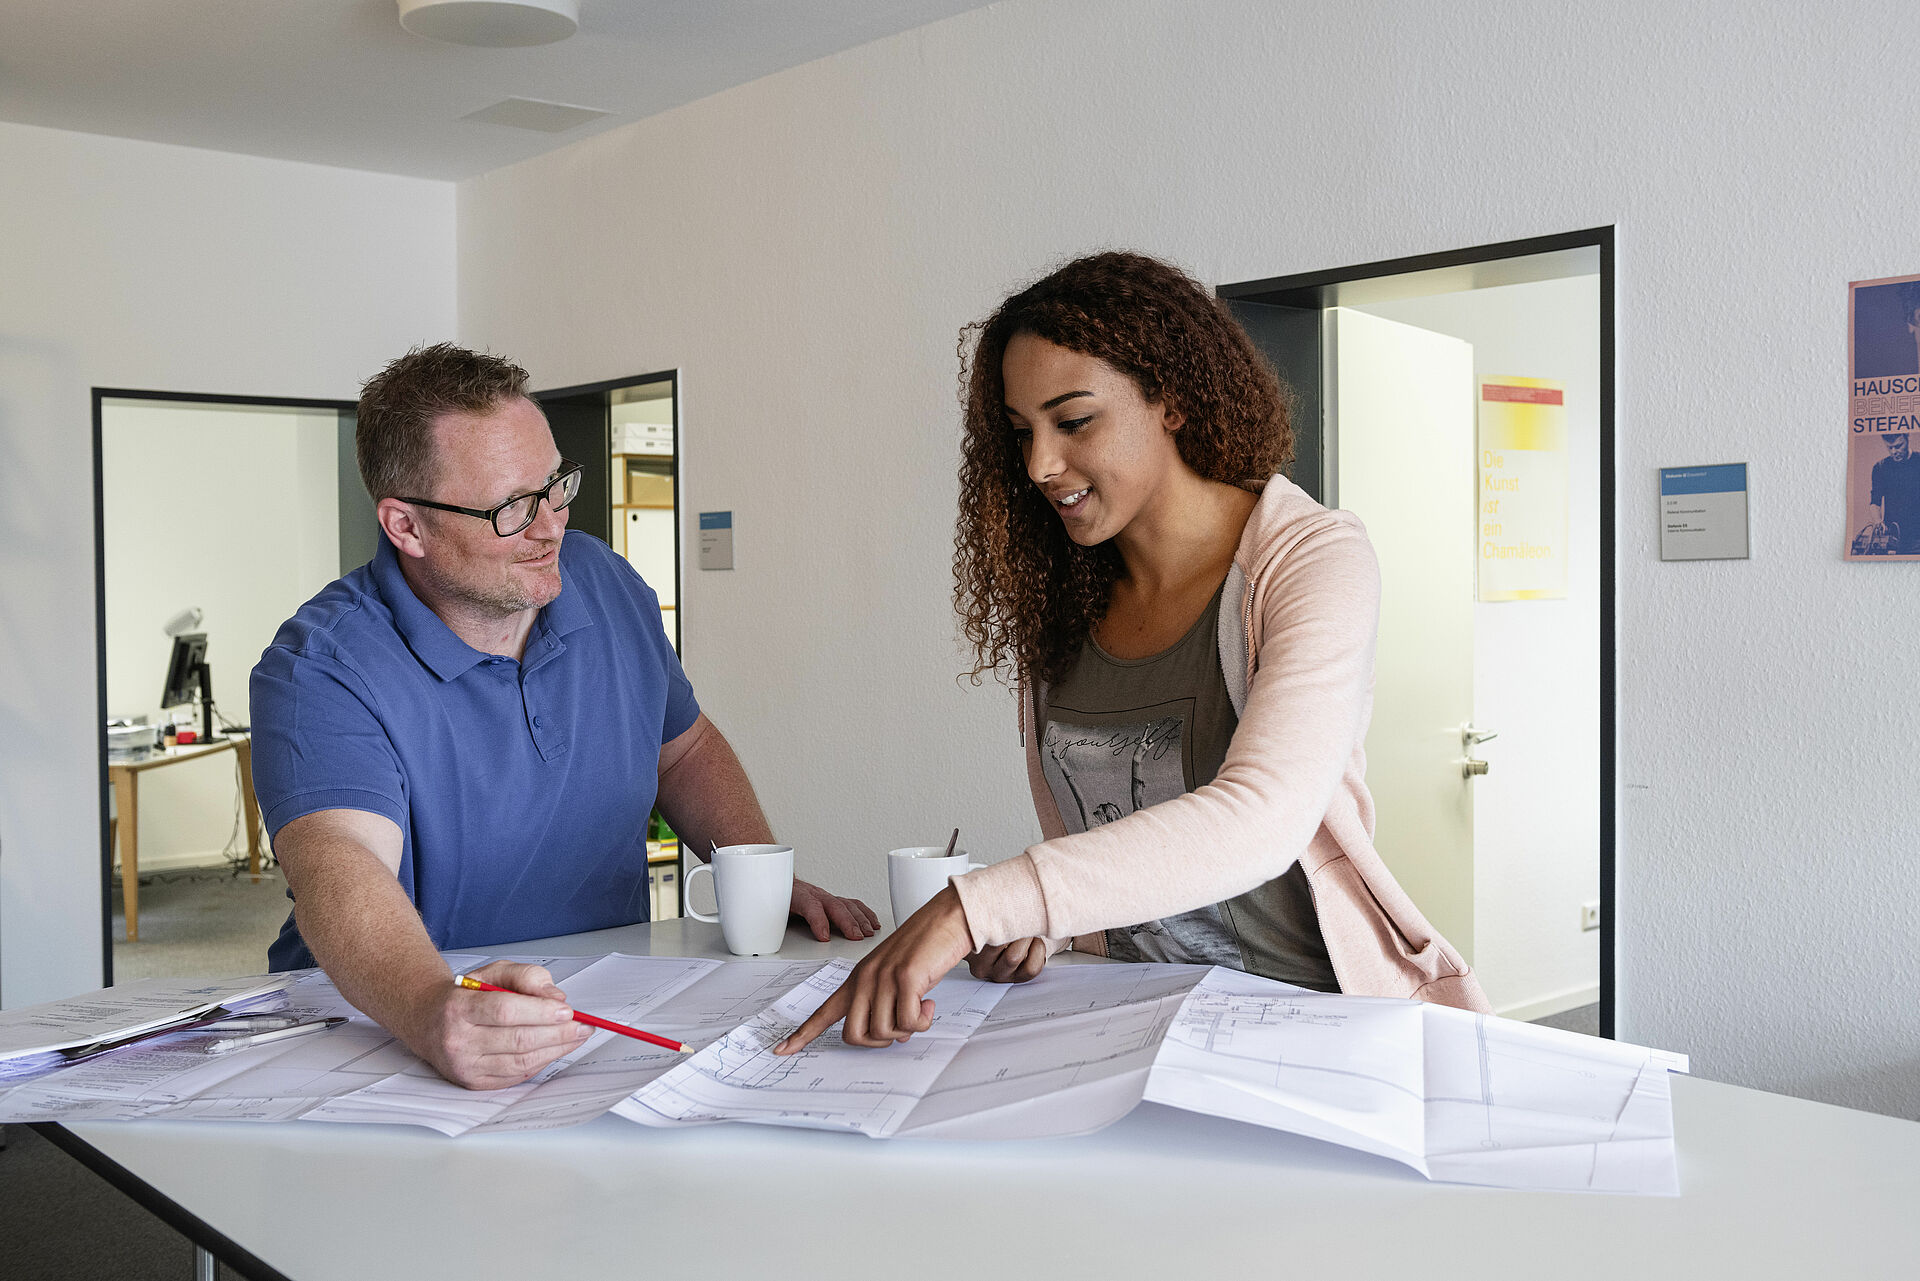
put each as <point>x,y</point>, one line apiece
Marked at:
<point>1067,1056</point>
<point>173,1076</point>
<point>719,998</point>
<point>826,1086</point>
<point>356,1072</point>
<point>1514,1105</point>
<point>1458,1096</point>
<point>1346,1069</point>
<point>1455,1095</point>
<point>124,1010</point>
<point>576,1088</point>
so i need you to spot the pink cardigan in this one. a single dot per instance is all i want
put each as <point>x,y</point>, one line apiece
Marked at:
<point>1298,657</point>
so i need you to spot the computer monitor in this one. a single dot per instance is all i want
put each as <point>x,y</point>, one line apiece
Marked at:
<point>189,677</point>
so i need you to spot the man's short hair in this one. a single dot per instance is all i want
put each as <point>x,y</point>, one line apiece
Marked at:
<point>394,437</point>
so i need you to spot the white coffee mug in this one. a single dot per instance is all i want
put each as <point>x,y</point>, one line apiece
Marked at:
<point>919,872</point>
<point>753,888</point>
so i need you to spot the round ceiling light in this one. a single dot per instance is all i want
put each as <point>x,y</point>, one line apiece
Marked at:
<point>492,24</point>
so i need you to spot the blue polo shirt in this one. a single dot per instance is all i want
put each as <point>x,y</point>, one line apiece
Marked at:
<point>521,789</point>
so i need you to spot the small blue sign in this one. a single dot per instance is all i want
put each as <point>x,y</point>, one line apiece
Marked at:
<point>1703,512</point>
<point>716,540</point>
<point>1722,478</point>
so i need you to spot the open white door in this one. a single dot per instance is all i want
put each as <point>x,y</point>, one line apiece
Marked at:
<point>1400,429</point>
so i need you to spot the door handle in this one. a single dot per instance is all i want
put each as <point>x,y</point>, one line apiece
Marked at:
<point>1472,766</point>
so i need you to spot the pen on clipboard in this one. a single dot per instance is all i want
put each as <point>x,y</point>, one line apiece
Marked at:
<point>227,1045</point>
<point>254,1023</point>
<point>467,980</point>
<point>218,1018</point>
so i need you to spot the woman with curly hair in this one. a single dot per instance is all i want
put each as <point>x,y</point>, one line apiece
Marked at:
<point>1193,639</point>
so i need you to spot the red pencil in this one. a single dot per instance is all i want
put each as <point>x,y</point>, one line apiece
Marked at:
<point>467,980</point>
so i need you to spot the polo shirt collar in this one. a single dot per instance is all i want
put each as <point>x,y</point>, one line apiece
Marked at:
<point>434,643</point>
<point>567,612</point>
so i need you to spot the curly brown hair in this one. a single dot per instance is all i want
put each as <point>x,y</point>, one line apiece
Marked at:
<point>1027,594</point>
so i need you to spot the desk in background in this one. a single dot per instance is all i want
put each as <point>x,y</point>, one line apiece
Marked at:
<point>125,778</point>
<point>1772,1187</point>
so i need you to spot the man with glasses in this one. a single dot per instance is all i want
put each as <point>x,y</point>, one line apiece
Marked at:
<point>458,744</point>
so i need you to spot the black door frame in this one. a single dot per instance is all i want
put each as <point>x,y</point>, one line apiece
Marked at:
<point>1312,289</point>
<point>100,396</point>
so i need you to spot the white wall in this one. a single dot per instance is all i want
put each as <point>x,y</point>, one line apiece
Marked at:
<point>133,265</point>
<point>1537,669</point>
<point>236,511</point>
<point>831,227</point>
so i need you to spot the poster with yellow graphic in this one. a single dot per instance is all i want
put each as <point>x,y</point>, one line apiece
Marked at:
<point>1523,490</point>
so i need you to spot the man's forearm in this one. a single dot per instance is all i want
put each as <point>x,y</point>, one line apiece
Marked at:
<point>707,798</point>
<point>348,903</point>
<point>366,934</point>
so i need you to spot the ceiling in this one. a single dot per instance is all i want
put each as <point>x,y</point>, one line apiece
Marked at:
<point>337,82</point>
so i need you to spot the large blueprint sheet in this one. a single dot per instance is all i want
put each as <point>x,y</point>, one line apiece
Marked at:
<point>1457,1096</point>
<point>1463,1097</point>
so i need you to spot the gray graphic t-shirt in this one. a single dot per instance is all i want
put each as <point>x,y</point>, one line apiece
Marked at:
<point>1122,734</point>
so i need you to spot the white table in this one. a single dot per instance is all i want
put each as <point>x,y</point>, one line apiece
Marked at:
<point>1772,1187</point>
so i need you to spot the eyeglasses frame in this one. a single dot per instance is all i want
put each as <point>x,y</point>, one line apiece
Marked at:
<point>491,515</point>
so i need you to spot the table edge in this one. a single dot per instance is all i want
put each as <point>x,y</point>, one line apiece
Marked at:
<point>193,752</point>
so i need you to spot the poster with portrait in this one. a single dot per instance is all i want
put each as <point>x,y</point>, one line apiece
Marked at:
<point>1883,419</point>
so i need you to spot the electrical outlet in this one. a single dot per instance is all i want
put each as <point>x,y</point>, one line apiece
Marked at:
<point>1589,916</point>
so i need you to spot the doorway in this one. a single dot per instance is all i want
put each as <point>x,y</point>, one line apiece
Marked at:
<point>215,518</point>
<point>1462,405</point>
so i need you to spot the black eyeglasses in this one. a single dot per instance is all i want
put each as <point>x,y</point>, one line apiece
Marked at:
<point>518,512</point>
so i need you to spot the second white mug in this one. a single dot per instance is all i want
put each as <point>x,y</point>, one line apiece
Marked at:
<point>753,890</point>
<point>919,872</point>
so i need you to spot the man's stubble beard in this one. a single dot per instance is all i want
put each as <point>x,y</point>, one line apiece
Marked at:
<point>504,600</point>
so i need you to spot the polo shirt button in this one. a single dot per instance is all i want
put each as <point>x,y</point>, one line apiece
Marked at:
<point>536,722</point>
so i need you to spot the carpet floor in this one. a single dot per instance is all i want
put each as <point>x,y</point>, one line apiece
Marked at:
<point>1584,1018</point>
<point>201,922</point>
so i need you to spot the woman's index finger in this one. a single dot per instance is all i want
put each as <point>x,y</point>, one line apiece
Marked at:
<point>830,1012</point>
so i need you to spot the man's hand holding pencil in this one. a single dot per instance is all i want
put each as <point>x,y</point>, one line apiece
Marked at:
<point>591,1020</point>
<point>490,1039</point>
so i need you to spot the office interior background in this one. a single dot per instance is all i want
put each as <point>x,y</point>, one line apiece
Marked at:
<point>801,249</point>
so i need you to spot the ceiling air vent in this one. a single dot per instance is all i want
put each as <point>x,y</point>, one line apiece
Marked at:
<point>530,113</point>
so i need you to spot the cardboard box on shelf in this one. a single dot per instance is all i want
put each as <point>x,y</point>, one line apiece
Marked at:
<point>649,489</point>
<point>643,438</point>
